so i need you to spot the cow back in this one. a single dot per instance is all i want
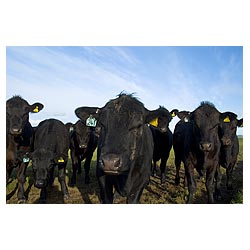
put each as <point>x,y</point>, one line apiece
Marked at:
<point>53,136</point>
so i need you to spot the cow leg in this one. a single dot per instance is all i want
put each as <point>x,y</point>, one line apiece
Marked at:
<point>217,194</point>
<point>191,184</point>
<point>153,168</point>
<point>43,195</point>
<point>177,174</point>
<point>79,167</point>
<point>210,184</point>
<point>86,169</point>
<point>163,167</point>
<point>134,198</point>
<point>8,173</point>
<point>75,167</point>
<point>229,172</point>
<point>106,190</point>
<point>21,176</point>
<point>61,178</point>
<point>51,176</point>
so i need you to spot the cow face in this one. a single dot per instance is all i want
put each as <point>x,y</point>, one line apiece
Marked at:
<point>17,114</point>
<point>42,162</point>
<point>82,134</point>
<point>122,122</point>
<point>228,127</point>
<point>89,117</point>
<point>205,120</point>
<point>163,119</point>
<point>183,115</point>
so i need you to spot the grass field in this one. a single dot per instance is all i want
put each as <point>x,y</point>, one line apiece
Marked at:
<point>154,193</point>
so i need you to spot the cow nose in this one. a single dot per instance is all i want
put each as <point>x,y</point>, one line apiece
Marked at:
<point>163,130</point>
<point>16,131</point>
<point>110,163</point>
<point>82,146</point>
<point>40,183</point>
<point>226,141</point>
<point>206,146</point>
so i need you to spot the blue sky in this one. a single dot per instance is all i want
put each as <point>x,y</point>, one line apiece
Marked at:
<point>64,78</point>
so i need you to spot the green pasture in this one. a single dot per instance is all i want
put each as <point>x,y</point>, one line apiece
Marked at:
<point>154,193</point>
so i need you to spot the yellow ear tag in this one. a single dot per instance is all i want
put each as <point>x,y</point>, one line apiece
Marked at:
<point>36,109</point>
<point>173,114</point>
<point>154,122</point>
<point>226,119</point>
<point>60,160</point>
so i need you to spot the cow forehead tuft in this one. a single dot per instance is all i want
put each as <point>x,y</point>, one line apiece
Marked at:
<point>125,103</point>
<point>17,102</point>
<point>207,110</point>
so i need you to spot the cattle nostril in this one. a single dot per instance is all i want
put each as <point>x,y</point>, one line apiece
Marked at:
<point>110,162</point>
<point>16,131</point>
<point>82,146</point>
<point>226,141</point>
<point>205,146</point>
<point>163,129</point>
<point>40,183</point>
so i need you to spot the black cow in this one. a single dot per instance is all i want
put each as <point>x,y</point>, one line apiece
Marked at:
<point>83,142</point>
<point>180,132</point>
<point>201,147</point>
<point>163,140</point>
<point>229,145</point>
<point>125,147</point>
<point>51,145</point>
<point>19,139</point>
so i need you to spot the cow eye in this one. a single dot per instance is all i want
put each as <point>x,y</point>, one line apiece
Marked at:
<point>135,127</point>
<point>215,126</point>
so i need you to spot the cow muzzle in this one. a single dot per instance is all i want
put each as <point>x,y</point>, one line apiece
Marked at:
<point>110,164</point>
<point>206,146</point>
<point>82,146</point>
<point>226,141</point>
<point>15,131</point>
<point>40,183</point>
<point>163,129</point>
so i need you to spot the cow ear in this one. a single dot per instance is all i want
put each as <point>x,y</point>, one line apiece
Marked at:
<point>174,112</point>
<point>240,122</point>
<point>227,117</point>
<point>83,113</point>
<point>184,115</point>
<point>60,158</point>
<point>36,107</point>
<point>69,126</point>
<point>151,116</point>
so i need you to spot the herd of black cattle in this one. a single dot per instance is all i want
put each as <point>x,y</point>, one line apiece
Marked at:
<point>130,139</point>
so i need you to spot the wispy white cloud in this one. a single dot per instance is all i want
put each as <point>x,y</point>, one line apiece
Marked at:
<point>65,78</point>
<point>63,82</point>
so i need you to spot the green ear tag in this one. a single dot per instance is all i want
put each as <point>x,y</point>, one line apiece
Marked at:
<point>26,159</point>
<point>91,121</point>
